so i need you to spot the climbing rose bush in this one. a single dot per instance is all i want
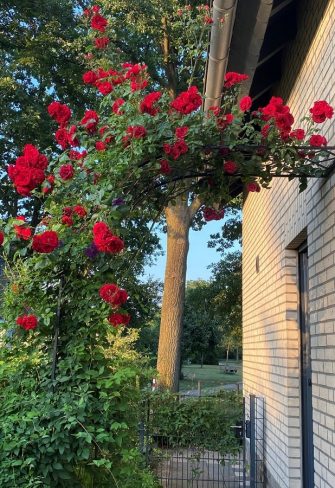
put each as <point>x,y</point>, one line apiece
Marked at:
<point>67,302</point>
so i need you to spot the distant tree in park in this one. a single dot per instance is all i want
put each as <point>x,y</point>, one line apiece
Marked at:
<point>201,332</point>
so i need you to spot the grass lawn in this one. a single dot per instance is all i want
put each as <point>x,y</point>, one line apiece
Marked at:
<point>210,377</point>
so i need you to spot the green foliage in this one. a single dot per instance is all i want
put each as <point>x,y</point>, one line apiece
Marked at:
<point>200,323</point>
<point>173,45</point>
<point>80,429</point>
<point>213,312</point>
<point>203,422</point>
<point>39,60</point>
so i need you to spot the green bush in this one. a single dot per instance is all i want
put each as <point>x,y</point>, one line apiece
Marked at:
<point>82,430</point>
<point>204,423</point>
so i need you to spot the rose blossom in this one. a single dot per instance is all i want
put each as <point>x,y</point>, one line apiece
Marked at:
<point>317,140</point>
<point>252,186</point>
<point>66,172</point>
<point>27,322</point>
<point>113,295</point>
<point>212,214</point>
<point>232,78</point>
<point>101,42</point>
<point>165,167</point>
<point>46,242</point>
<point>136,131</point>
<point>187,101</point>
<point>321,111</point>
<point>245,103</point>
<point>230,167</point>
<point>117,319</point>
<point>98,22</point>
<point>61,113</point>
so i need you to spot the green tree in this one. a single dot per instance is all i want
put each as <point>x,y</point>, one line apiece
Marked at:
<point>40,60</point>
<point>227,299</point>
<point>169,38</point>
<point>200,324</point>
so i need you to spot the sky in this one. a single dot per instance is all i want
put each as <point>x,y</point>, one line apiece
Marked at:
<point>199,256</point>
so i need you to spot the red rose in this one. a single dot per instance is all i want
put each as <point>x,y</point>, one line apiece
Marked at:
<point>298,134</point>
<point>66,220</point>
<point>101,42</point>
<point>165,167</point>
<point>66,172</point>
<point>224,121</point>
<point>61,136</point>
<point>187,101</point>
<point>136,131</point>
<point>181,132</point>
<point>276,110</point>
<point>104,87</point>
<point>116,106</point>
<point>90,120</point>
<point>67,211</point>
<point>232,78</point>
<point>100,146</point>
<point>117,319</point>
<point>80,211</point>
<point>48,184</point>
<point>230,167</point>
<point>2,237</point>
<point>321,111</point>
<point>28,171</point>
<point>208,20</point>
<point>138,85</point>
<point>61,113</point>
<point>90,77</point>
<point>46,242</point>
<point>22,231</point>
<point>212,214</point>
<point>100,228</point>
<point>245,103</point>
<point>66,137</point>
<point>98,22</point>
<point>113,295</point>
<point>253,186</point>
<point>317,140</point>
<point>214,110</point>
<point>27,322</point>
<point>180,146</point>
<point>105,240</point>
<point>147,104</point>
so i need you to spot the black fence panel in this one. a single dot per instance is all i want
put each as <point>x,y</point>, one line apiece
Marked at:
<point>195,442</point>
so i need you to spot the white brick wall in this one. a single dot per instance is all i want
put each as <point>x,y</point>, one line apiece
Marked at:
<point>272,221</point>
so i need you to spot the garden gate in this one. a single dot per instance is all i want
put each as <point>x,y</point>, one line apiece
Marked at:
<point>204,442</point>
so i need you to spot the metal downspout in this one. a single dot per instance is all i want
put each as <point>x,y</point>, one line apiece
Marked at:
<point>219,50</point>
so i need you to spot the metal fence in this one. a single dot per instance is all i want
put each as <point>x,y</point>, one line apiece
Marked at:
<point>203,454</point>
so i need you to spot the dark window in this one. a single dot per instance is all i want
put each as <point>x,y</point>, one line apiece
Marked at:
<point>306,373</point>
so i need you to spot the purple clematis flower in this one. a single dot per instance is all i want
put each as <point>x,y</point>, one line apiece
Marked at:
<point>118,201</point>
<point>91,251</point>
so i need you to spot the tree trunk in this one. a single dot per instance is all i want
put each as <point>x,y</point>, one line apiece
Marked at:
<point>178,219</point>
<point>237,354</point>
<point>227,357</point>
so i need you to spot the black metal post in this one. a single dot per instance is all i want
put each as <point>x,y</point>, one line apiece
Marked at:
<point>244,446</point>
<point>253,459</point>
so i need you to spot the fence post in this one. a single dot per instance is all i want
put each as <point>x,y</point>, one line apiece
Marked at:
<point>253,459</point>
<point>244,463</point>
